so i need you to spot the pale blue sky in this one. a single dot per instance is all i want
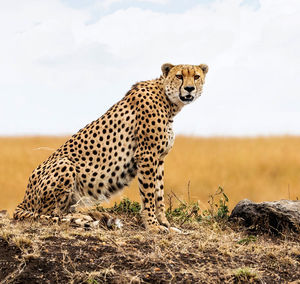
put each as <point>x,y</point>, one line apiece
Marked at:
<point>174,6</point>
<point>168,6</point>
<point>65,62</point>
<point>165,6</point>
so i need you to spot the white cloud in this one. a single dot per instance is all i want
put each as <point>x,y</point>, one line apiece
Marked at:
<point>156,1</point>
<point>67,70</point>
<point>108,3</point>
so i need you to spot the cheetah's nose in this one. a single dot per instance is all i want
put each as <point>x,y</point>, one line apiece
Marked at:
<point>189,88</point>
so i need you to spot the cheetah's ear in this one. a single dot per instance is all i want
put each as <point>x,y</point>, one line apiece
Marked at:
<point>204,68</point>
<point>165,68</point>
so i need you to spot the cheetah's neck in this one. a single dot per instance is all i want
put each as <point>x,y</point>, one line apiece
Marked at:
<point>174,109</point>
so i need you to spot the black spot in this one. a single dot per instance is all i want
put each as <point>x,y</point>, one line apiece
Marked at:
<point>111,188</point>
<point>120,185</point>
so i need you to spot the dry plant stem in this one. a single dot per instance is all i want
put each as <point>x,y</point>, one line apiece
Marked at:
<point>188,190</point>
<point>170,196</point>
<point>187,218</point>
<point>180,201</point>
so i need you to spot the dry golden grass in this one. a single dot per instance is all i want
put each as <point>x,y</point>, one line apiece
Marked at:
<point>255,168</point>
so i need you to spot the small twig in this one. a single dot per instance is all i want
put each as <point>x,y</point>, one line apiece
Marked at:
<point>186,218</point>
<point>193,212</point>
<point>177,197</point>
<point>117,245</point>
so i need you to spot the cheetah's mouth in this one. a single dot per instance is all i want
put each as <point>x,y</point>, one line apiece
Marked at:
<point>187,98</point>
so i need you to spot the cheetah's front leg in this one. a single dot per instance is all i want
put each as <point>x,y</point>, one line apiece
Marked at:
<point>159,199</point>
<point>147,175</point>
<point>159,196</point>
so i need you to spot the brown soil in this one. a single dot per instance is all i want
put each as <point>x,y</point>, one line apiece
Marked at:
<point>211,253</point>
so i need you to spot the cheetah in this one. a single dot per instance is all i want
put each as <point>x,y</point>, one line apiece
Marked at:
<point>131,139</point>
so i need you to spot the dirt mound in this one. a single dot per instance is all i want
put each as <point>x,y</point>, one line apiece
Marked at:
<point>206,253</point>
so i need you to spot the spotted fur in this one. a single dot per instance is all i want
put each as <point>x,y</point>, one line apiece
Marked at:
<point>131,139</point>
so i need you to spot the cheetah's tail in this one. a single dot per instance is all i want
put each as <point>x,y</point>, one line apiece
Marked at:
<point>21,214</point>
<point>92,220</point>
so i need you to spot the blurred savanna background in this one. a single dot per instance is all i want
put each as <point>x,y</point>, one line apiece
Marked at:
<point>259,169</point>
<point>65,62</point>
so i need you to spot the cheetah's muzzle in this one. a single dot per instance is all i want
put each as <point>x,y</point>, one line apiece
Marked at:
<point>187,98</point>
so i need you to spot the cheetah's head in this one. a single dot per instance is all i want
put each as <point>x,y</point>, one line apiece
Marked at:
<point>183,83</point>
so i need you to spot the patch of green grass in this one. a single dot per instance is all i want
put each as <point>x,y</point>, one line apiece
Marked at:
<point>127,206</point>
<point>244,275</point>
<point>218,206</point>
<point>191,211</point>
<point>249,239</point>
<point>185,212</point>
<point>124,206</point>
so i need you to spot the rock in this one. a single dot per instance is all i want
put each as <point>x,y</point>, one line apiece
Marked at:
<point>269,217</point>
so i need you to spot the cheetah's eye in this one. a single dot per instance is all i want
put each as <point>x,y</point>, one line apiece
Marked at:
<point>179,77</point>
<point>196,77</point>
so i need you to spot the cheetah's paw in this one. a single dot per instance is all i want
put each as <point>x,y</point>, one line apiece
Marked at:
<point>157,229</point>
<point>175,230</point>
